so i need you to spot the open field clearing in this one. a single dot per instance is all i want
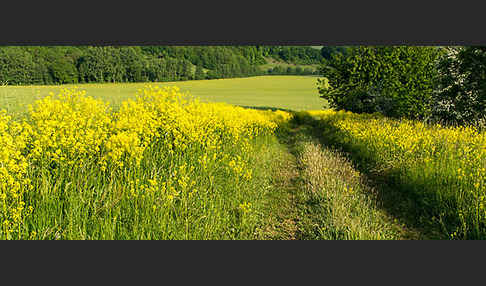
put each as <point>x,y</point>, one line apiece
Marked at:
<point>387,143</point>
<point>285,92</point>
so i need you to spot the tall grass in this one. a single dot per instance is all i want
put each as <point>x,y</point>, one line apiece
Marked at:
<point>166,197</point>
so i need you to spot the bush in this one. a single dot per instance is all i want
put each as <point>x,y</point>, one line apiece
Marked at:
<point>394,81</point>
<point>461,96</point>
<point>299,70</point>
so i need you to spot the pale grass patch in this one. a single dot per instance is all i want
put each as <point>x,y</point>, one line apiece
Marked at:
<point>352,211</point>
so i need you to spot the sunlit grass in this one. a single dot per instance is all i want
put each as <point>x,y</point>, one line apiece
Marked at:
<point>285,92</point>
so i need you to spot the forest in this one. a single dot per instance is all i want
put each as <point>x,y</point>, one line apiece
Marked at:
<point>44,65</point>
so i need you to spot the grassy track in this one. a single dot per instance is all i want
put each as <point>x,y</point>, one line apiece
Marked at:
<point>318,194</point>
<point>285,92</point>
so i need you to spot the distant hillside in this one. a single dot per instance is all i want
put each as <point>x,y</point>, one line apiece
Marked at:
<point>80,64</point>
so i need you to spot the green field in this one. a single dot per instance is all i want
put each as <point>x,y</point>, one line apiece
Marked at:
<point>285,92</point>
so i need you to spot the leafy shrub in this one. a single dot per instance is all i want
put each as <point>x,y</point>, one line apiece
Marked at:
<point>395,81</point>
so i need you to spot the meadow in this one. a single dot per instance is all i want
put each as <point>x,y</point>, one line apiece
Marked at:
<point>285,92</point>
<point>155,161</point>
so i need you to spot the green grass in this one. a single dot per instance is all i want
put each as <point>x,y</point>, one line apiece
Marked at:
<point>84,203</point>
<point>310,180</point>
<point>284,92</point>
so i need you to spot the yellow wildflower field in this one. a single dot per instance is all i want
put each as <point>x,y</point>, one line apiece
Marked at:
<point>76,132</point>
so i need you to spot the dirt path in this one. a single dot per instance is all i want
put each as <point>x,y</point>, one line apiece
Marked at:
<point>282,217</point>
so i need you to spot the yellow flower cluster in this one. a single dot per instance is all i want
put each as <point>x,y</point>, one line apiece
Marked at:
<point>410,143</point>
<point>239,167</point>
<point>169,116</point>
<point>279,116</point>
<point>70,129</point>
<point>245,207</point>
<point>13,167</point>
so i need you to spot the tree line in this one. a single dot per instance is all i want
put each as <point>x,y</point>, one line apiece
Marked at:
<point>21,65</point>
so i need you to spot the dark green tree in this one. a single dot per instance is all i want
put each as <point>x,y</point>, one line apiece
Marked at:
<point>327,52</point>
<point>395,81</point>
